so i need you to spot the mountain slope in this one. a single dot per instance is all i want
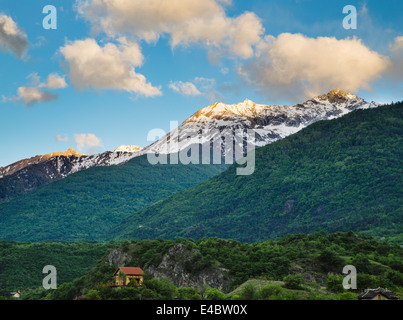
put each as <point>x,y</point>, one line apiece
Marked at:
<point>339,175</point>
<point>87,204</point>
<point>225,264</point>
<point>130,149</point>
<point>19,165</point>
<point>29,174</point>
<point>209,125</point>
<point>268,122</point>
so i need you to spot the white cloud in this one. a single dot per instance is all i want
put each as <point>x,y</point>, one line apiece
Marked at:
<point>30,95</point>
<point>59,138</point>
<point>54,82</point>
<point>12,38</point>
<point>185,21</point>
<point>88,142</point>
<point>297,66</point>
<point>199,86</point>
<point>185,88</point>
<point>107,67</point>
<point>224,70</point>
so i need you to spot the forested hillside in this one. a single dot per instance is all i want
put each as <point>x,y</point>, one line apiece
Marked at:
<point>338,175</point>
<point>85,205</point>
<point>292,267</point>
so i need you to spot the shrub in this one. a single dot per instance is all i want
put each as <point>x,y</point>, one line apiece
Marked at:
<point>249,292</point>
<point>347,296</point>
<point>334,284</point>
<point>270,291</point>
<point>293,281</point>
<point>214,294</point>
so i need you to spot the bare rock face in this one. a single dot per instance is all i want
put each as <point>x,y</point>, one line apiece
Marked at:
<point>175,266</point>
<point>118,258</point>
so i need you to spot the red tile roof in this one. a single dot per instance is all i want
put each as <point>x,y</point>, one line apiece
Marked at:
<point>131,271</point>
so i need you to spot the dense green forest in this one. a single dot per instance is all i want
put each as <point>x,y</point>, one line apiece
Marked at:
<point>85,205</point>
<point>21,263</point>
<point>291,267</point>
<point>338,175</point>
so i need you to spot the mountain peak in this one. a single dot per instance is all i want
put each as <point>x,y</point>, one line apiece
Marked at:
<point>219,110</point>
<point>248,101</point>
<point>70,152</point>
<point>337,96</point>
<point>129,149</point>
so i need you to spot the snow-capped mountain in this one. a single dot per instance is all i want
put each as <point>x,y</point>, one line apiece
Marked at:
<point>29,174</point>
<point>78,161</point>
<point>129,149</point>
<point>21,164</point>
<point>266,123</point>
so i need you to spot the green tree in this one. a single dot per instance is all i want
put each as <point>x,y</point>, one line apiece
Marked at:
<point>214,294</point>
<point>361,262</point>
<point>330,260</point>
<point>164,288</point>
<point>293,281</point>
<point>395,277</point>
<point>270,291</point>
<point>92,295</point>
<point>188,294</point>
<point>347,296</point>
<point>334,283</point>
<point>249,292</point>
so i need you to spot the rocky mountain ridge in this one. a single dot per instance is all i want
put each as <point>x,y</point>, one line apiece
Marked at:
<point>258,124</point>
<point>250,123</point>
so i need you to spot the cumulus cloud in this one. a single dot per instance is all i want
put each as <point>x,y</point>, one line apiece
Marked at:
<point>297,66</point>
<point>54,81</point>
<point>12,38</point>
<point>59,138</point>
<point>185,21</point>
<point>31,95</point>
<point>89,143</point>
<point>109,67</point>
<point>185,88</point>
<point>199,86</point>
<point>35,93</point>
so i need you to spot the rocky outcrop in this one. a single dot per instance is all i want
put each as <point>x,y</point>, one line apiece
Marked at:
<point>174,266</point>
<point>118,258</point>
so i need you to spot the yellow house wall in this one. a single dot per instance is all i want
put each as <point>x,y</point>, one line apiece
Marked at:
<point>119,281</point>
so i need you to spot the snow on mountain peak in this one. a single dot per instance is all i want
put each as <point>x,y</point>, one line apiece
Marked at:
<point>129,149</point>
<point>337,96</point>
<point>68,153</point>
<point>220,110</point>
<point>268,122</point>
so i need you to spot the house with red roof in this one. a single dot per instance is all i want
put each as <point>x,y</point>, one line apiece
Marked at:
<point>123,276</point>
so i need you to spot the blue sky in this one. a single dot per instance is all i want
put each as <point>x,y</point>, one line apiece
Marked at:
<point>145,67</point>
